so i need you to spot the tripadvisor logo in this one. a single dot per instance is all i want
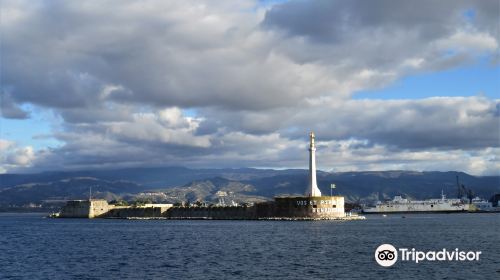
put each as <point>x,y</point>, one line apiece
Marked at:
<point>387,255</point>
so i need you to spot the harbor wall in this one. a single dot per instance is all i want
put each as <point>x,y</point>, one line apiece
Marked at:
<point>99,208</point>
<point>129,212</point>
<point>216,213</point>
<point>323,207</point>
<point>281,207</point>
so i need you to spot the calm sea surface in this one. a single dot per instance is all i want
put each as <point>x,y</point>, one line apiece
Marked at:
<point>32,247</point>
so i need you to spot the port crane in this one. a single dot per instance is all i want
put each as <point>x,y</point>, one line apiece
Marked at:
<point>462,191</point>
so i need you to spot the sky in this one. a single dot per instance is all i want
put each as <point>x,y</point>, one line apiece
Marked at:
<point>385,85</point>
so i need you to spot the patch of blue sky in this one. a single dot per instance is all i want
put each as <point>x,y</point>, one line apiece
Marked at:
<point>35,131</point>
<point>190,112</point>
<point>259,4</point>
<point>267,3</point>
<point>478,79</point>
<point>469,15</point>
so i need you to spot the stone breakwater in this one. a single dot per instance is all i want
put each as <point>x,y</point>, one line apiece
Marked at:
<point>282,208</point>
<point>346,218</point>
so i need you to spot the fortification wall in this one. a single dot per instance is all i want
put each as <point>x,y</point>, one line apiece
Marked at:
<point>75,209</point>
<point>323,207</point>
<point>85,209</point>
<point>99,208</point>
<point>216,213</point>
<point>146,212</point>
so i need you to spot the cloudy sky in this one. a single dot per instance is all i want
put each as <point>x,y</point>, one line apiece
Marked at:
<point>385,85</point>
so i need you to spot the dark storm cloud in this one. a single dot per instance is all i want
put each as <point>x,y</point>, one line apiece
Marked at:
<point>179,54</point>
<point>11,110</point>
<point>444,123</point>
<point>385,35</point>
<point>153,54</point>
<point>336,20</point>
<point>441,122</point>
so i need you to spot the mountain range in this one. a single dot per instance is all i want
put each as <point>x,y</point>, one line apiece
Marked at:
<point>176,184</point>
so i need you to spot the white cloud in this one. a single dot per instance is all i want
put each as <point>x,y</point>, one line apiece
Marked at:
<point>5,145</point>
<point>354,155</point>
<point>258,77</point>
<point>167,126</point>
<point>12,156</point>
<point>21,157</point>
<point>463,41</point>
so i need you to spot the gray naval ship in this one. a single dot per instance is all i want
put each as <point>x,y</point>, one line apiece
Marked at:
<point>404,205</point>
<point>443,205</point>
<point>465,203</point>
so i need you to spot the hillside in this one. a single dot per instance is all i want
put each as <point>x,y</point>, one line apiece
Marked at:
<point>176,184</point>
<point>372,186</point>
<point>65,189</point>
<point>152,177</point>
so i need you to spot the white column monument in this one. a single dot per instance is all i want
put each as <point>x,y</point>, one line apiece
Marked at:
<point>312,189</point>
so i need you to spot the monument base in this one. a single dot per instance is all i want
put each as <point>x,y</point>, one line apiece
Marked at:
<point>309,206</point>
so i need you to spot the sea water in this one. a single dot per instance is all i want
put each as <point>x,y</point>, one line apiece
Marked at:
<point>33,247</point>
